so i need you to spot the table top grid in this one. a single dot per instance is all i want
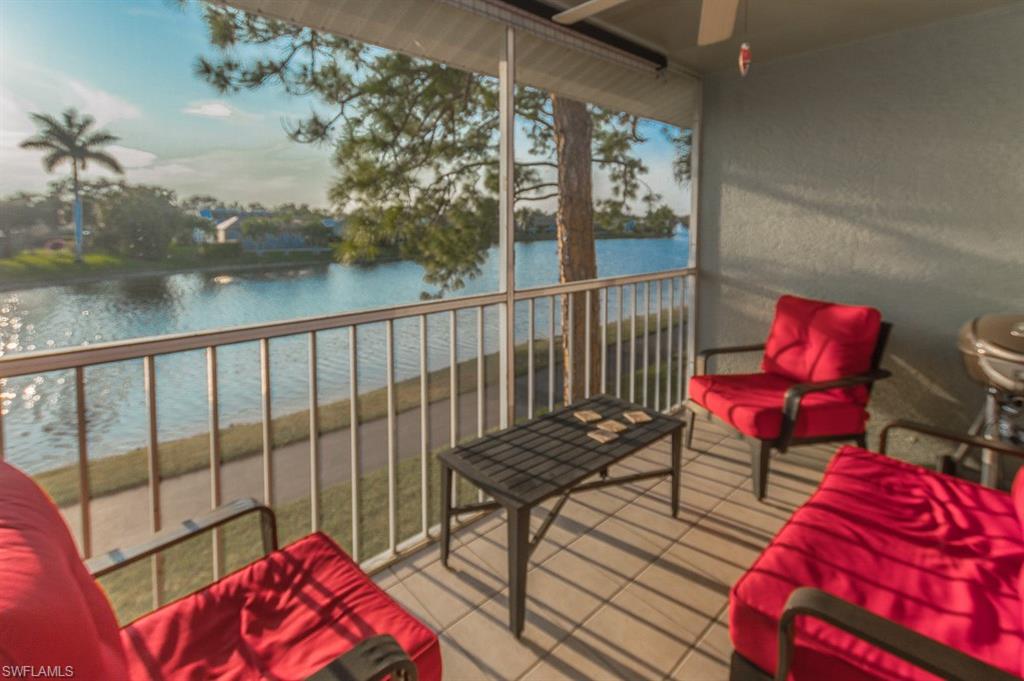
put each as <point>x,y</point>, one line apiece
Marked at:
<point>535,459</point>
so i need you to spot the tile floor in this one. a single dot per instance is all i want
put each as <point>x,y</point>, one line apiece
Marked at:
<point>618,589</point>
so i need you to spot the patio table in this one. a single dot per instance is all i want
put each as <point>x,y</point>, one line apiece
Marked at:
<point>550,456</point>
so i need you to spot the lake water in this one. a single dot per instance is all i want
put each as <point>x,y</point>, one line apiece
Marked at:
<point>40,422</point>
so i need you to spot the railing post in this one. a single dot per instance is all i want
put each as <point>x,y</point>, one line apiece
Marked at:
<point>646,341</point>
<point>3,383</point>
<point>153,466</point>
<point>314,438</point>
<point>551,356</point>
<point>604,343</point>
<point>353,431</point>
<point>506,221</point>
<point>84,493</point>
<point>532,318</point>
<point>268,428</point>
<point>213,402</point>
<point>389,371</point>
<point>424,430</point>
<point>586,351</point>
<point>657,350</point>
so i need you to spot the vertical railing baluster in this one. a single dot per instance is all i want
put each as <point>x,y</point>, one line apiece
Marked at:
<point>569,338</point>
<point>213,404</point>
<point>2,449</point>
<point>586,351</point>
<point>314,438</point>
<point>647,317</point>
<point>604,340</point>
<point>551,357</point>
<point>480,386</point>
<point>353,431</point>
<point>453,379</point>
<point>531,317</point>
<point>424,430</point>
<point>153,469</point>
<point>618,347</point>
<point>84,494</point>
<point>668,345</point>
<point>389,357</point>
<point>632,345</point>
<point>683,320</point>
<point>657,352</point>
<point>453,392</point>
<point>268,428</point>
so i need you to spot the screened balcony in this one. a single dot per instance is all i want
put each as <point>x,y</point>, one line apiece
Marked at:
<point>871,156</point>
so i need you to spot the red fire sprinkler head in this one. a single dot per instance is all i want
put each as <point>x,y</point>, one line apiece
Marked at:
<point>744,59</point>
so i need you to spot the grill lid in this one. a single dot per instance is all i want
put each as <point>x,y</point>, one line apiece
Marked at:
<point>993,351</point>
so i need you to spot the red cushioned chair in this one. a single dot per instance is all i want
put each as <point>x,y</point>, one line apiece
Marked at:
<point>303,611</point>
<point>889,571</point>
<point>819,364</point>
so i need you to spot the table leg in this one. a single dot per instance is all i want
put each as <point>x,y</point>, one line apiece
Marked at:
<point>446,512</point>
<point>677,446</point>
<point>518,558</point>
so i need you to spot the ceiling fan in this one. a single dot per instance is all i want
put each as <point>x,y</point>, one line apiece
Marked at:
<point>717,17</point>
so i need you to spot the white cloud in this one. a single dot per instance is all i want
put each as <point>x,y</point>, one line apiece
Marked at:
<point>100,104</point>
<point>132,158</point>
<point>209,109</point>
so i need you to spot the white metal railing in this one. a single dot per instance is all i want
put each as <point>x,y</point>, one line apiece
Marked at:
<point>666,361</point>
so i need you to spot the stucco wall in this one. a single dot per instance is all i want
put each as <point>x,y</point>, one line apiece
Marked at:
<point>888,172</point>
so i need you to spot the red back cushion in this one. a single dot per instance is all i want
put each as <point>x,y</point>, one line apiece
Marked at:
<point>813,340</point>
<point>52,613</point>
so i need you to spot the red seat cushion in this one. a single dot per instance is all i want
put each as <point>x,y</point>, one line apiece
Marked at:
<point>934,553</point>
<point>52,613</point>
<point>814,340</point>
<point>752,404</point>
<point>283,617</point>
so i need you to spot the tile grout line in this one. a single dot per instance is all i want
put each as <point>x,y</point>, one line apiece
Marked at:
<point>632,580</point>
<point>465,547</point>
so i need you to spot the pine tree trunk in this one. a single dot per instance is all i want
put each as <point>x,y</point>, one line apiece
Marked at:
<point>577,258</point>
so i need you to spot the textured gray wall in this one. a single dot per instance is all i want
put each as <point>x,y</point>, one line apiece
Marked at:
<point>889,173</point>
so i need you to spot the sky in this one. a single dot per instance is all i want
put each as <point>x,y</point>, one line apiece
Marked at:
<point>129,64</point>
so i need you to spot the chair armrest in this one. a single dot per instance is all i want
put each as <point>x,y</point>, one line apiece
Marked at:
<point>921,651</point>
<point>704,355</point>
<point>119,558</point>
<point>795,393</point>
<point>932,431</point>
<point>372,659</point>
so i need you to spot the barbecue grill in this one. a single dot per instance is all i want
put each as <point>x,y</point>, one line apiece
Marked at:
<point>992,347</point>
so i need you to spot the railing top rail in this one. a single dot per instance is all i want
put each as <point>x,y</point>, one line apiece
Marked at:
<point>136,348</point>
<point>592,284</point>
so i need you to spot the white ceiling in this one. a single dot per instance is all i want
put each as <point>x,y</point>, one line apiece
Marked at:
<point>774,28</point>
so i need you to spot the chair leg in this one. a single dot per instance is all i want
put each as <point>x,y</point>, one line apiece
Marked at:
<point>760,455</point>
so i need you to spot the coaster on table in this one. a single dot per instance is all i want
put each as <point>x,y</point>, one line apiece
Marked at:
<point>587,415</point>
<point>612,426</point>
<point>602,436</point>
<point>637,416</point>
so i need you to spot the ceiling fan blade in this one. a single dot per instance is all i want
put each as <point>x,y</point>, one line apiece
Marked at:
<point>584,10</point>
<point>717,20</point>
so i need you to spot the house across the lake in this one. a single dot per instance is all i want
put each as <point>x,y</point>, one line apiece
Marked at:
<point>271,235</point>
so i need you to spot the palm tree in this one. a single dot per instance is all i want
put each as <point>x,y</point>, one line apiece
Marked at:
<point>71,140</point>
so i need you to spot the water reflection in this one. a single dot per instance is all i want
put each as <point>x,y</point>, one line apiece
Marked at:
<point>40,410</point>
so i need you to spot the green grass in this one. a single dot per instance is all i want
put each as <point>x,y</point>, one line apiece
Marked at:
<point>43,266</point>
<point>118,472</point>
<point>188,566</point>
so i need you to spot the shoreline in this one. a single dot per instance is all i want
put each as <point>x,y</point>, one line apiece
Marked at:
<point>6,287</point>
<point>115,273</point>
